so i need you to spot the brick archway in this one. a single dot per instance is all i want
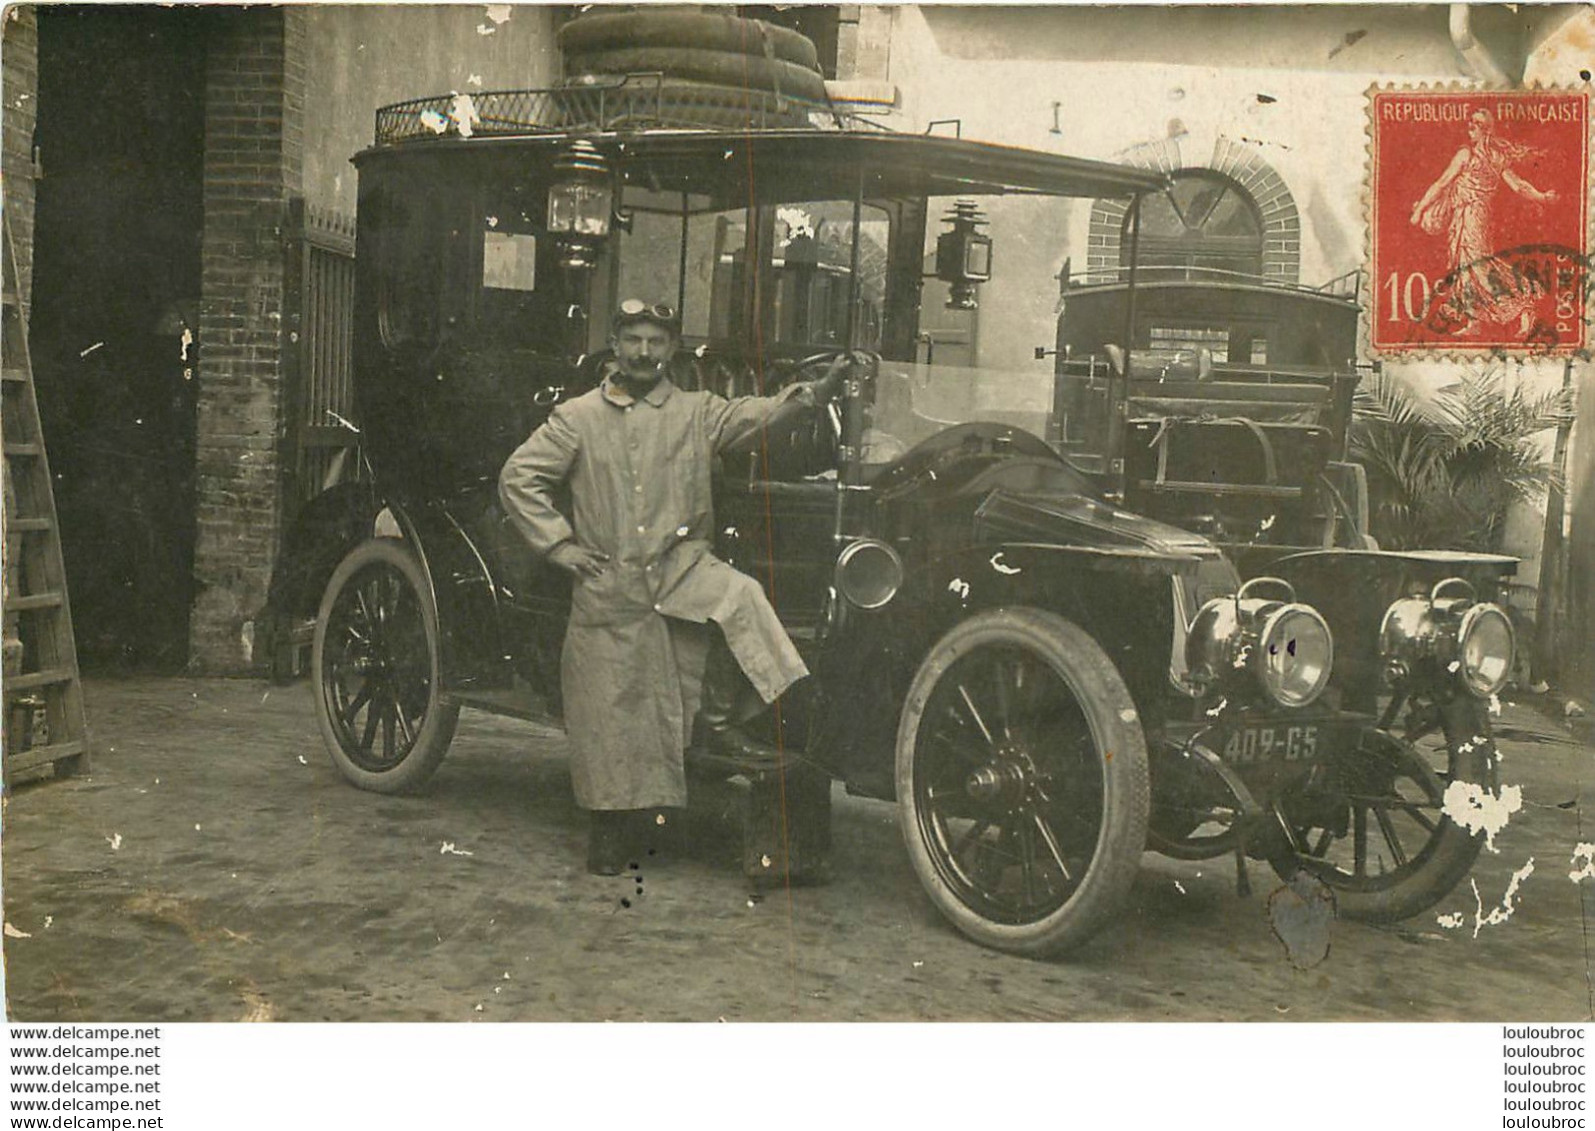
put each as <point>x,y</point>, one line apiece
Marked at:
<point>1281,250</point>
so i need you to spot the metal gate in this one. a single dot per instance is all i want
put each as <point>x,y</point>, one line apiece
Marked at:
<point>319,446</point>
<point>318,331</point>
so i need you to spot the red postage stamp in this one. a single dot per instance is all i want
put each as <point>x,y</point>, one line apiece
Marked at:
<point>1480,222</point>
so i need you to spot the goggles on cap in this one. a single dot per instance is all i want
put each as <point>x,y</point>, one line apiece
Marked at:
<point>636,308</point>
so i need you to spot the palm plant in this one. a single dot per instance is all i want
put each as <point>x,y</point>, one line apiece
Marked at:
<point>1442,472</point>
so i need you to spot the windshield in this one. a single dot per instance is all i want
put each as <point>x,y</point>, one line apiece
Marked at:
<point>978,363</point>
<point>914,402</point>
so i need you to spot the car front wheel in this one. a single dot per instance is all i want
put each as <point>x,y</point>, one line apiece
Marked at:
<point>1022,781</point>
<point>376,670</point>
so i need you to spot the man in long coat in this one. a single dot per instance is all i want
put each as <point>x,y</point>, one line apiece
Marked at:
<point>637,453</point>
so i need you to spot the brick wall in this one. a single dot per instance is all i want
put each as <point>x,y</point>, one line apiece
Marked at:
<point>254,155</point>
<point>19,90</point>
<point>1281,222</point>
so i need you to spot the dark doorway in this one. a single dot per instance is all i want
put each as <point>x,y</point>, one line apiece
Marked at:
<point>116,281</point>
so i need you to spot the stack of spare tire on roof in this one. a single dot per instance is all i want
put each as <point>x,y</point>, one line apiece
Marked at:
<point>718,70</point>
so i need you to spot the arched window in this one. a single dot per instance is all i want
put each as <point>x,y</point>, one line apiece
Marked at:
<point>1228,210</point>
<point>1203,222</point>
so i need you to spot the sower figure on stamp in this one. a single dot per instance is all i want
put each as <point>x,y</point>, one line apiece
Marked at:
<point>1461,203</point>
<point>648,594</point>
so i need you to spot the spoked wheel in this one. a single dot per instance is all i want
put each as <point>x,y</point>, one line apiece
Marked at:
<point>1371,825</point>
<point>376,669</point>
<point>1022,781</point>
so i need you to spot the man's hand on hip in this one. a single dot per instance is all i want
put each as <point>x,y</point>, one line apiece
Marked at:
<point>578,561</point>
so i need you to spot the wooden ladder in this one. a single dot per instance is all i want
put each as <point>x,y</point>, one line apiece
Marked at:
<point>44,723</point>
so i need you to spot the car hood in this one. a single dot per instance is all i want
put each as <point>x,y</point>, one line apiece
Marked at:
<point>1082,521</point>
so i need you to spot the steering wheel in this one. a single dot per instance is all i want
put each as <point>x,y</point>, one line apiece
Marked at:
<point>799,366</point>
<point>812,367</point>
<point>819,442</point>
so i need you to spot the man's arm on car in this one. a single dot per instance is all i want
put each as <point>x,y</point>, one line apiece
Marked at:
<point>732,423</point>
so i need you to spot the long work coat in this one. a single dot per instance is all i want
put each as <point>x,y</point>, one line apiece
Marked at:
<point>632,666</point>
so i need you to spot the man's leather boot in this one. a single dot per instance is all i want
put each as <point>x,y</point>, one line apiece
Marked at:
<point>718,727</point>
<point>610,836</point>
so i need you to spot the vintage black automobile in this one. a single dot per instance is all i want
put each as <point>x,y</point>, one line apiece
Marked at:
<point>1046,682</point>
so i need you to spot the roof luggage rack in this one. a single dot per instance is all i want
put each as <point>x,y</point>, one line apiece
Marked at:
<point>633,102</point>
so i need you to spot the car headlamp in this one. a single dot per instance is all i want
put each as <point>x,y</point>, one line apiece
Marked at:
<point>868,573</point>
<point>1448,631</point>
<point>1294,655</point>
<point>1485,645</point>
<point>1284,646</point>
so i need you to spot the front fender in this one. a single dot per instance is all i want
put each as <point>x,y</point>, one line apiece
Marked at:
<point>327,528</point>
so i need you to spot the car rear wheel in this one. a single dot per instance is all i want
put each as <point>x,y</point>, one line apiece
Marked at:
<point>1372,826</point>
<point>376,670</point>
<point>1022,781</point>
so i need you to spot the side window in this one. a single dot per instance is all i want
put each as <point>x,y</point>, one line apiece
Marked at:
<point>412,270</point>
<point>509,261</point>
<point>650,258</point>
<point>717,271</point>
<point>813,258</point>
<point>706,278</point>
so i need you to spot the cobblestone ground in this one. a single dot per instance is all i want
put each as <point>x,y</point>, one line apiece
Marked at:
<point>214,866</point>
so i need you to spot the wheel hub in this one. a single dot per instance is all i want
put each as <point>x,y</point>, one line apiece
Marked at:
<point>1010,781</point>
<point>372,661</point>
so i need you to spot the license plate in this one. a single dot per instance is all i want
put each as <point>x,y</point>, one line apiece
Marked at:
<point>1274,743</point>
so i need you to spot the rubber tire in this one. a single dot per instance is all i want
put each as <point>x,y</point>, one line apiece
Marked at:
<point>717,68</point>
<point>437,731</point>
<point>1449,864</point>
<point>613,31</point>
<point>1110,711</point>
<point>684,104</point>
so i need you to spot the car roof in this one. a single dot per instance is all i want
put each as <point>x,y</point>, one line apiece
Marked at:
<point>769,166</point>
